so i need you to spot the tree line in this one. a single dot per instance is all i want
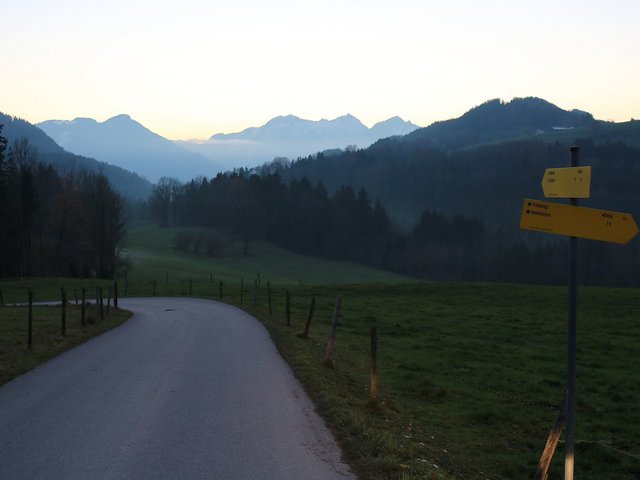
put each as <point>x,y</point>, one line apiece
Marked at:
<point>299,216</point>
<point>349,225</point>
<point>70,224</point>
<point>488,183</point>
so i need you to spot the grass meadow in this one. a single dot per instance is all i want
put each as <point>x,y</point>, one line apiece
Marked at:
<point>152,256</point>
<point>470,374</point>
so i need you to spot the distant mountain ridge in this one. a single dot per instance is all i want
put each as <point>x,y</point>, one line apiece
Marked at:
<point>153,156</point>
<point>292,137</point>
<point>290,127</point>
<point>391,127</point>
<point>127,183</point>
<point>124,142</point>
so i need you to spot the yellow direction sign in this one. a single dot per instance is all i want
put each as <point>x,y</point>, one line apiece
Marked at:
<point>579,222</point>
<point>571,182</point>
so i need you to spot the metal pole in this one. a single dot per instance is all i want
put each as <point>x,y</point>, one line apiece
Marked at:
<point>569,457</point>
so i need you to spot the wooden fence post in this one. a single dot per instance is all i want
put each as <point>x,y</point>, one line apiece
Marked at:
<point>255,292</point>
<point>328,360</point>
<point>75,294</point>
<point>101,304</point>
<point>115,295</point>
<point>269,296</point>
<point>552,442</point>
<point>308,324</point>
<point>154,288</point>
<point>108,302</point>
<point>211,277</point>
<point>63,312</point>
<point>373,394</point>
<point>30,320</point>
<point>288,308</point>
<point>83,310</point>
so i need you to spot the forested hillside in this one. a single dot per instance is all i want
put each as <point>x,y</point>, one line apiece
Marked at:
<point>348,225</point>
<point>486,182</point>
<point>127,183</point>
<point>431,203</point>
<point>433,176</point>
<point>496,120</point>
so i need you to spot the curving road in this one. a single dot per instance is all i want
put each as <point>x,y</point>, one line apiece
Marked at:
<point>186,389</point>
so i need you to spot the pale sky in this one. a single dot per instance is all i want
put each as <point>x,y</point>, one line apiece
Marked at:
<point>191,68</point>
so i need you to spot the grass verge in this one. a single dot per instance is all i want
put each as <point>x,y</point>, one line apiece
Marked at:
<point>17,358</point>
<point>470,376</point>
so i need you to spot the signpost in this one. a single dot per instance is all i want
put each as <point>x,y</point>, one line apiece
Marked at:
<point>572,182</point>
<point>575,222</point>
<point>591,223</point>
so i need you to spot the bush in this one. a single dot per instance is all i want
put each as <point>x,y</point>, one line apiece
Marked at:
<point>182,241</point>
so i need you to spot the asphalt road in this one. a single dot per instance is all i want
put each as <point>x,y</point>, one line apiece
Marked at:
<point>186,389</point>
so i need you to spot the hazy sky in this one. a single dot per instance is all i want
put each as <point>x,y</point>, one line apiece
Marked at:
<point>191,68</point>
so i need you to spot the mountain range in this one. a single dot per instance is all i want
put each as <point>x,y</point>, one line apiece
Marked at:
<point>127,183</point>
<point>346,127</point>
<point>292,137</point>
<point>123,142</point>
<point>120,146</point>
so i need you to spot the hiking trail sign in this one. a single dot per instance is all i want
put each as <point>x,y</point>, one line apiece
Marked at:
<point>570,182</point>
<point>575,222</point>
<point>581,222</point>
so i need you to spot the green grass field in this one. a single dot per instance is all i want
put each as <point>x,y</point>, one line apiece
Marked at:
<point>153,257</point>
<point>470,374</point>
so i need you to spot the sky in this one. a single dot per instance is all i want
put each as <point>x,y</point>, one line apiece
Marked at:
<point>187,69</point>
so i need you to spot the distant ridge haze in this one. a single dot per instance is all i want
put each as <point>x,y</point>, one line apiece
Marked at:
<point>126,182</point>
<point>292,137</point>
<point>291,127</point>
<point>122,141</point>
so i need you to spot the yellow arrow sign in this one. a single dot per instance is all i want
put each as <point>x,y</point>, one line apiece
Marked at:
<point>541,216</point>
<point>571,182</point>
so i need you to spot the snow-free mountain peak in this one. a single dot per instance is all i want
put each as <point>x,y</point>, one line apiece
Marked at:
<point>393,126</point>
<point>292,128</point>
<point>122,141</point>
